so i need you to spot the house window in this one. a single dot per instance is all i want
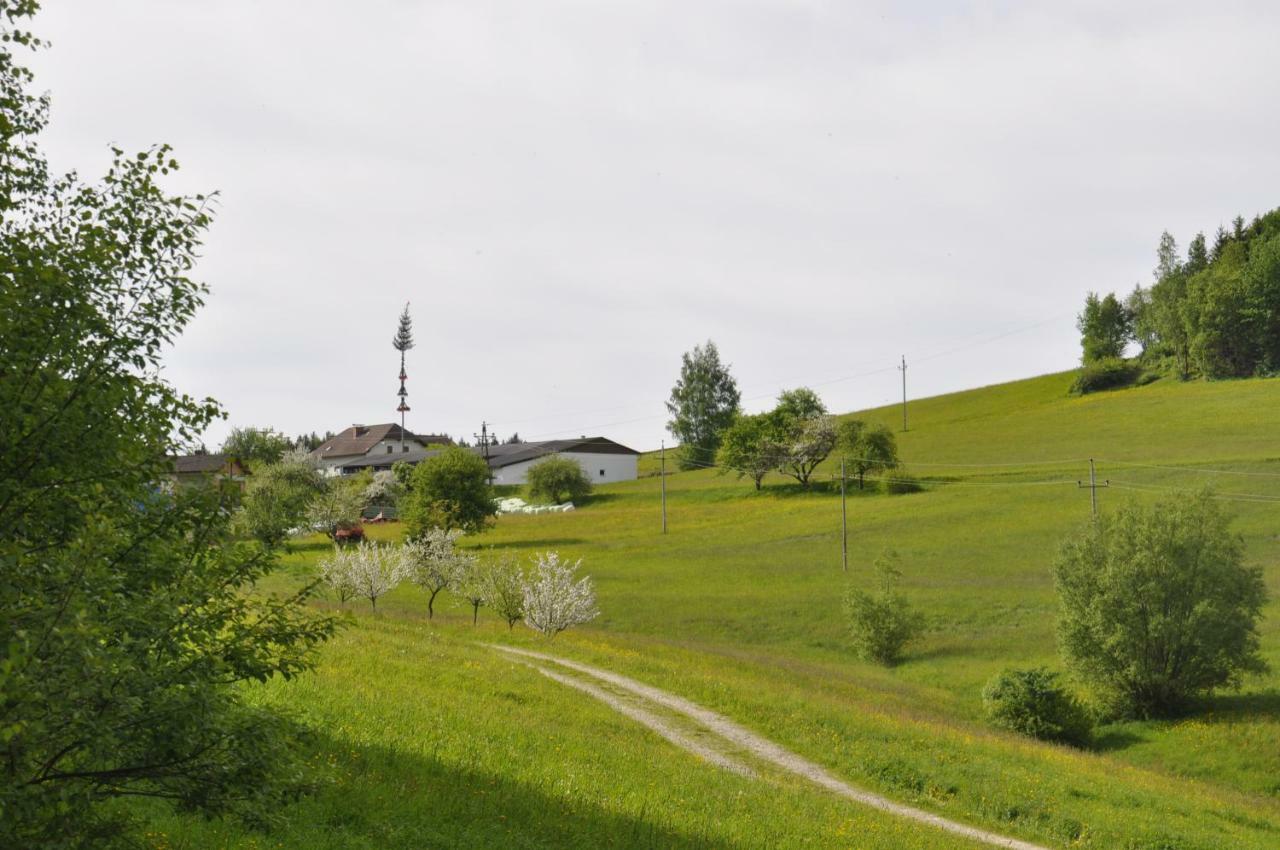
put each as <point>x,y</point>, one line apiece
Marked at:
<point>405,448</point>
<point>390,449</point>
<point>602,473</point>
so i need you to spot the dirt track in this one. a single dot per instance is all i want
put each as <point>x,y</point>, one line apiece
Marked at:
<point>736,737</point>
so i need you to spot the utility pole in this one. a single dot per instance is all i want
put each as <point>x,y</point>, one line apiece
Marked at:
<point>844,522</point>
<point>482,439</point>
<point>663,475</point>
<point>1093,486</point>
<point>903,370</point>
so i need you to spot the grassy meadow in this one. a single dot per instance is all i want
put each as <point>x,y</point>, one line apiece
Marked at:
<point>423,736</point>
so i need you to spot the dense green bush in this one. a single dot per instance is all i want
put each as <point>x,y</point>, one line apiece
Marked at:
<point>558,479</point>
<point>1109,373</point>
<point>881,624</point>
<point>1032,702</point>
<point>1158,606</point>
<point>449,490</point>
<point>898,482</point>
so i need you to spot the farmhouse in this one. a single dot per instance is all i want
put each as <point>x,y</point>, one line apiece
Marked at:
<point>601,458</point>
<point>371,442</point>
<point>192,469</point>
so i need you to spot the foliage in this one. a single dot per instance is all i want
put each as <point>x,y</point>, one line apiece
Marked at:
<point>558,479</point>
<point>900,482</point>
<point>883,623</point>
<point>434,563</point>
<point>256,446</point>
<point>403,340</point>
<point>1033,703</point>
<point>1107,373</point>
<point>1104,328</point>
<point>128,625</point>
<point>451,491</point>
<point>1218,313</point>
<point>383,489</point>
<point>368,569</point>
<point>805,444</point>
<point>555,598</point>
<point>703,404</point>
<point>472,584</point>
<point>338,506</point>
<point>799,404</point>
<point>750,447</point>
<point>276,500</point>
<point>868,448</point>
<point>502,587</point>
<point>1157,605</point>
<point>335,573</point>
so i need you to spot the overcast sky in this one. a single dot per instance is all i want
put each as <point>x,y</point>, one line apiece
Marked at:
<point>573,194</point>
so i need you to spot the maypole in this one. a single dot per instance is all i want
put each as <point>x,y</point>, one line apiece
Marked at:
<point>402,342</point>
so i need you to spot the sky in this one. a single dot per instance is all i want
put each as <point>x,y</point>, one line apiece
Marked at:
<point>570,195</point>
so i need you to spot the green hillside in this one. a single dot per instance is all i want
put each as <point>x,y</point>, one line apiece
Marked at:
<point>429,738</point>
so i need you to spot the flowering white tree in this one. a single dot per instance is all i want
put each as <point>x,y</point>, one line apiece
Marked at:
<point>433,563</point>
<point>373,570</point>
<point>503,589</point>
<point>335,572</point>
<point>555,598</point>
<point>470,584</point>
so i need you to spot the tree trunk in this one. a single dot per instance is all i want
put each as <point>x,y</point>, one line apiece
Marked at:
<point>861,475</point>
<point>431,605</point>
<point>475,613</point>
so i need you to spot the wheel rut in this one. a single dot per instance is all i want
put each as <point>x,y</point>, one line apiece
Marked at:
<point>724,743</point>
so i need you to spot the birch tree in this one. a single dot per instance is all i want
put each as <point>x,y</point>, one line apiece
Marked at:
<point>555,598</point>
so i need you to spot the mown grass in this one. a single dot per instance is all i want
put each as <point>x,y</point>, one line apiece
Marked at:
<point>737,606</point>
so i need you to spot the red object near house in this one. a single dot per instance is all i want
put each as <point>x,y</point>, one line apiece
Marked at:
<point>349,535</point>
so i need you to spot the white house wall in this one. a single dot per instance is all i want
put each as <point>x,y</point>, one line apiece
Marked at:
<point>600,468</point>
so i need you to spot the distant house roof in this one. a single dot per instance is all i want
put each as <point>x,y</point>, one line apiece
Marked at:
<point>359,439</point>
<point>505,454</point>
<point>193,464</point>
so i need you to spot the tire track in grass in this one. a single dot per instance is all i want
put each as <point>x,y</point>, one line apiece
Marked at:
<point>741,737</point>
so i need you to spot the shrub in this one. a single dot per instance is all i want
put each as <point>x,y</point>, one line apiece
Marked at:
<point>900,481</point>
<point>1109,373</point>
<point>450,491</point>
<point>882,624</point>
<point>558,476</point>
<point>1158,606</point>
<point>1032,702</point>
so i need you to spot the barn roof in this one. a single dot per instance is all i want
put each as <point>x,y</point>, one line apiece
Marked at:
<point>183,464</point>
<point>506,454</point>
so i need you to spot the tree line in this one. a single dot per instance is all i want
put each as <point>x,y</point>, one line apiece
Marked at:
<point>1213,312</point>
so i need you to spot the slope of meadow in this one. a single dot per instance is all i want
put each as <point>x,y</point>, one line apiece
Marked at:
<point>432,739</point>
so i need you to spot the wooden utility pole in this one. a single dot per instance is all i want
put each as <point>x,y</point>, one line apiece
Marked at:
<point>483,439</point>
<point>903,370</point>
<point>662,474</point>
<point>1093,486</point>
<point>844,522</point>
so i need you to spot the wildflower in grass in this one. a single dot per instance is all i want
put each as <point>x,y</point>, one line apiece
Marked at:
<point>555,598</point>
<point>882,624</point>
<point>433,562</point>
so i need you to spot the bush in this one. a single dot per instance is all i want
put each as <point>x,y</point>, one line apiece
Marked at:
<point>882,624</point>
<point>558,476</point>
<point>1031,702</point>
<point>1109,373</point>
<point>450,491</point>
<point>898,482</point>
<point>1158,606</point>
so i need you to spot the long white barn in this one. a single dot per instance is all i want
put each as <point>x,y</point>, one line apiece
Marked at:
<point>602,459</point>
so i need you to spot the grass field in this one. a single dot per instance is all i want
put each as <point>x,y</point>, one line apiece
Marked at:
<point>431,739</point>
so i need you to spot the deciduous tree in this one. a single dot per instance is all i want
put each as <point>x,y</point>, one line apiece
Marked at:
<point>703,404</point>
<point>1158,605</point>
<point>434,563</point>
<point>558,479</point>
<point>256,446</point>
<point>130,614</point>
<point>451,491</point>
<point>555,598</point>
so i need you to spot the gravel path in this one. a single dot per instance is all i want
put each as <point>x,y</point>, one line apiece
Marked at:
<point>761,748</point>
